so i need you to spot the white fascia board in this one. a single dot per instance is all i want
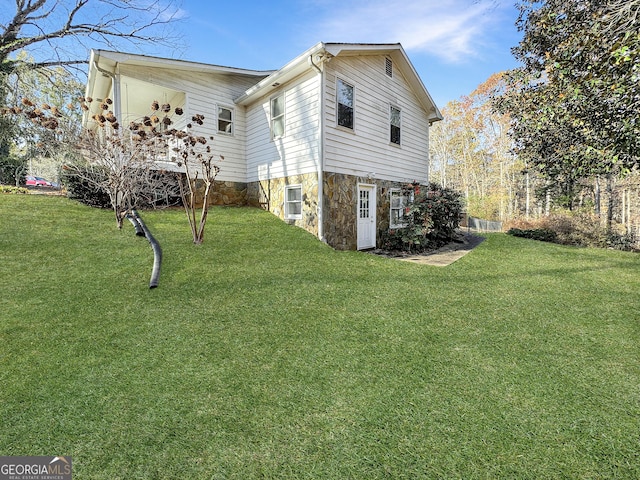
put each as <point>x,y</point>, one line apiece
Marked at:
<point>301,63</point>
<point>347,49</point>
<point>160,62</point>
<point>99,82</point>
<point>327,50</point>
<point>291,70</point>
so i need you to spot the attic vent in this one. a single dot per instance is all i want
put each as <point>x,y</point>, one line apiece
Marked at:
<point>389,67</point>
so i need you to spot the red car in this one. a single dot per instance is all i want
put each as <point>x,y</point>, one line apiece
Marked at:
<point>37,181</point>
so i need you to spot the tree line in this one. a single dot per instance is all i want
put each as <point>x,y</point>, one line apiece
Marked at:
<point>562,129</point>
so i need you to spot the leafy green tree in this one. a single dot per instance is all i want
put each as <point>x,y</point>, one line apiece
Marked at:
<point>575,99</point>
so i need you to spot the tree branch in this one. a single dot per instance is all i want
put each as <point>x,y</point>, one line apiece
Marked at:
<point>128,20</point>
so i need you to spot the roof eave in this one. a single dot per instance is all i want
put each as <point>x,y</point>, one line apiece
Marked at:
<point>160,62</point>
<point>292,69</point>
<point>301,63</point>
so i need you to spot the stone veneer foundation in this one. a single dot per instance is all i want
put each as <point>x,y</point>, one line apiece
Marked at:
<point>269,195</point>
<point>339,203</point>
<point>224,193</point>
<point>340,208</point>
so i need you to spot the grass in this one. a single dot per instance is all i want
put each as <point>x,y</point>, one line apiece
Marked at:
<point>266,354</point>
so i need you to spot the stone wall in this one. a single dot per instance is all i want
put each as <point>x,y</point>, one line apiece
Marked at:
<point>340,208</point>
<point>229,193</point>
<point>339,204</point>
<point>269,195</point>
<point>224,193</point>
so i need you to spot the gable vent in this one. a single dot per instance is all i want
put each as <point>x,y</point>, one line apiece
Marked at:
<point>389,67</point>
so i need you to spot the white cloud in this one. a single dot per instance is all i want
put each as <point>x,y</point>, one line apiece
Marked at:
<point>454,30</point>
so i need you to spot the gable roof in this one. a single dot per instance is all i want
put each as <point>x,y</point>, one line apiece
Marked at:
<point>325,51</point>
<point>103,65</point>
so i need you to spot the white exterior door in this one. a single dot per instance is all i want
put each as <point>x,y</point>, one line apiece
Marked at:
<point>366,216</point>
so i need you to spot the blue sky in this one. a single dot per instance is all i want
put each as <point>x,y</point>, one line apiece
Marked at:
<point>454,45</point>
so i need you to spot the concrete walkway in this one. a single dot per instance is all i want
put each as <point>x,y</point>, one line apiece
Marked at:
<point>445,255</point>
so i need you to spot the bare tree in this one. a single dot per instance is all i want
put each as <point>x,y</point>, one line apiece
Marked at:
<point>129,163</point>
<point>199,171</point>
<point>55,29</point>
<point>117,165</point>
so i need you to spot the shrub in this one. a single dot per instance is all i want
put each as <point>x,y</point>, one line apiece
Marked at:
<point>81,183</point>
<point>432,219</point>
<point>622,241</point>
<point>12,189</point>
<point>542,234</point>
<point>581,228</point>
<point>12,170</point>
<point>578,228</point>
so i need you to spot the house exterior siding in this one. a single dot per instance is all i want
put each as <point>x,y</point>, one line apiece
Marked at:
<point>367,150</point>
<point>296,152</point>
<point>292,159</point>
<point>204,92</point>
<point>314,170</point>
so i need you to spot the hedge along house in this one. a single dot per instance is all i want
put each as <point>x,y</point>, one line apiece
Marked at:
<point>326,142</point>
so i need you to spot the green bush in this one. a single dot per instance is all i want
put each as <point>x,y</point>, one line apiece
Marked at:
<point>432,219</point>
<point>10,168</point>
<point>622,241</point>
<point>12,189</point>
<point>542,234</point>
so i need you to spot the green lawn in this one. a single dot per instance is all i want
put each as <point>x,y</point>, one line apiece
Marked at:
<point>265,354</point>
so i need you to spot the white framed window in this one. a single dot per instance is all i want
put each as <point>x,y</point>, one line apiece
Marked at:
<point>345,103</point>
<point>395,120</point>
<point>293,202</point>
<point>277,116</point>
<point>398,200</point>
<point>225,120</point>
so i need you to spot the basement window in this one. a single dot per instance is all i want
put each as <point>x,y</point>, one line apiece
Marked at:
<point>398,200</point>
<point>293,202</point>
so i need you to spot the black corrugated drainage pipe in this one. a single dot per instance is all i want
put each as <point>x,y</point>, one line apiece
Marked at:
<point>157,251</point>
<point>136,225</point>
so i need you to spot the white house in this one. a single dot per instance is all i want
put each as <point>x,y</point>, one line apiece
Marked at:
<point>325,142</point>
